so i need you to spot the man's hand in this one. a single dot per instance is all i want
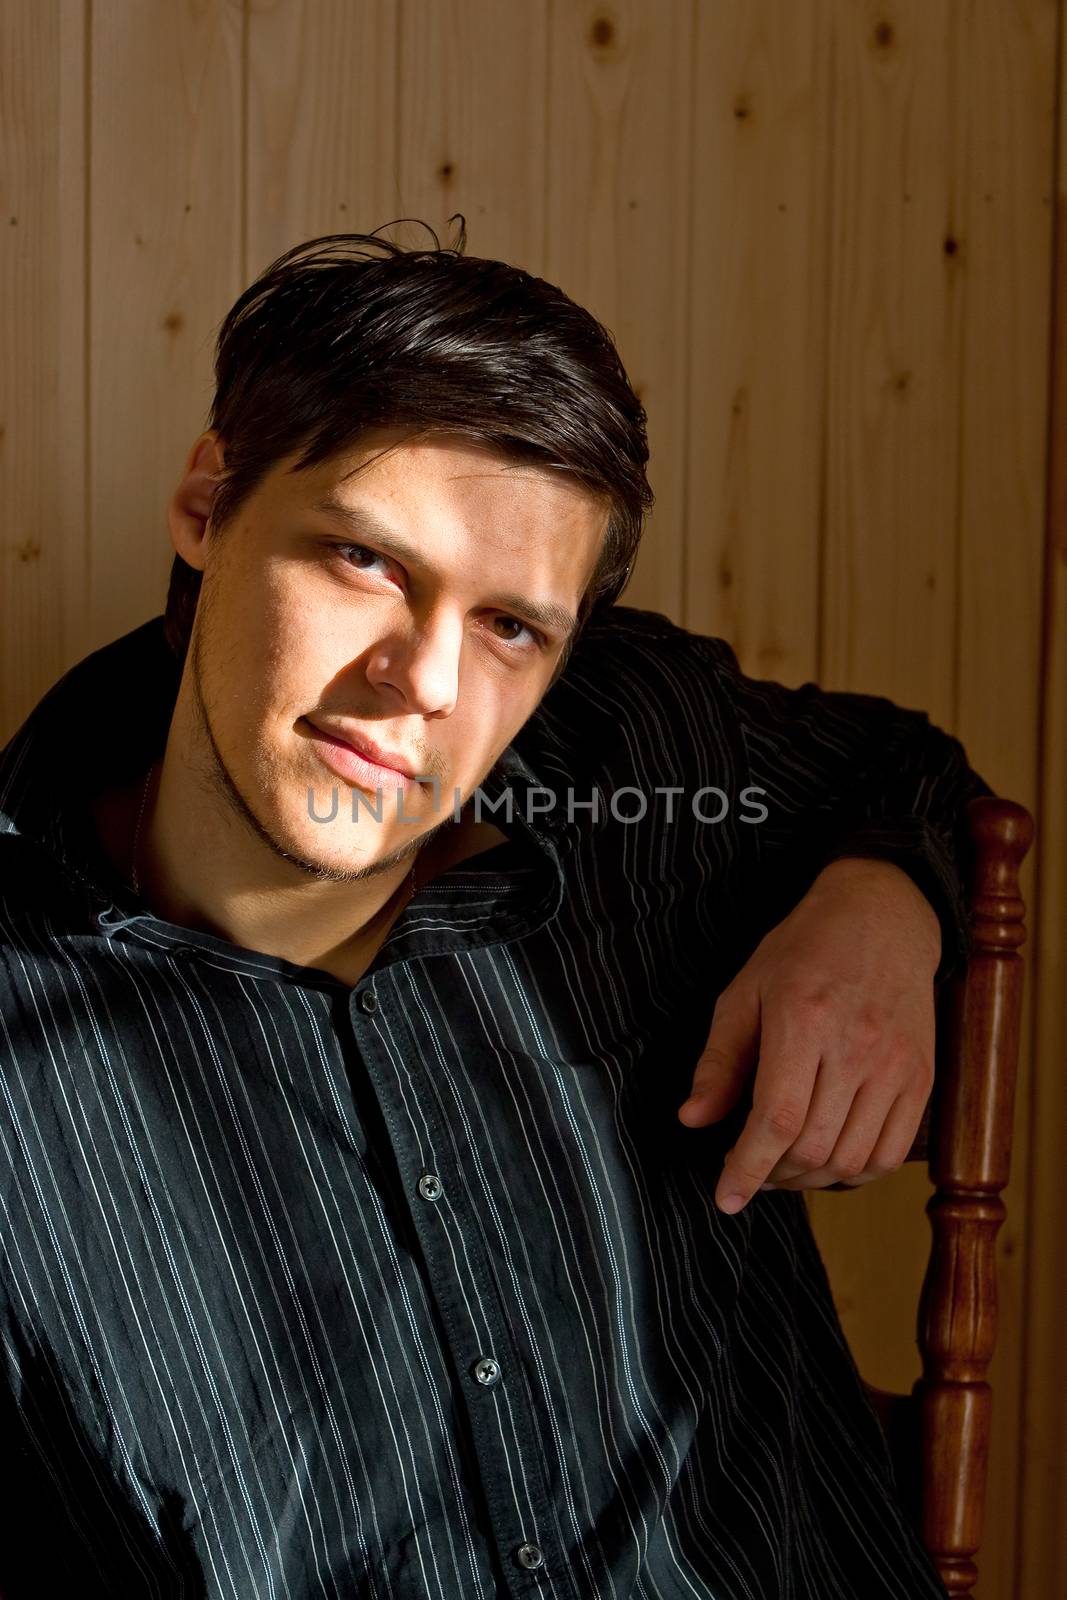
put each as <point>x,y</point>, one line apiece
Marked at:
<point>838,1001</point>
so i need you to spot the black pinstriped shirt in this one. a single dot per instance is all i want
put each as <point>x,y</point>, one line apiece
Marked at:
<point>418,1288</point>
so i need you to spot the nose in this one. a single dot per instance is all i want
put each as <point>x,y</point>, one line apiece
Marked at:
<point>420,663</point>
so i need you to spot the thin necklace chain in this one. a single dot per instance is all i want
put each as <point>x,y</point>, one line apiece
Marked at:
<point>135,882</point>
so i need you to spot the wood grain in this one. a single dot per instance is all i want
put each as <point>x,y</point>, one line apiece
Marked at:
<point>43,420</point>
<point>618,221</point>
<point>321,147</point>
<point>758,296</point>
<point>1042,1413</point>
<point>164,217</point>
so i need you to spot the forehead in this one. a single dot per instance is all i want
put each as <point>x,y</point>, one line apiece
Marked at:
<point>445,486</point>
<point>401,456</point>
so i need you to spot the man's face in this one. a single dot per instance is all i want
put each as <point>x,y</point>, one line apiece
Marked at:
<point>424,614</point>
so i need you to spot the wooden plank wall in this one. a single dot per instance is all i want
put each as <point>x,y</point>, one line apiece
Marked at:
<point>823,236</point>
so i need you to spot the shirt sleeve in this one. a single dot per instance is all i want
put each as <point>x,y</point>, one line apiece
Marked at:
<point>847,774</point>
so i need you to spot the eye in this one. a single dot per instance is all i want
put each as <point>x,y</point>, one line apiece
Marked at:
<point>537,639</point>
<point>344,551</point>
<point>516,634</point>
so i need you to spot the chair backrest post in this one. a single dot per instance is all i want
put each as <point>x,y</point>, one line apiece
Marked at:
<point>969,1166</point>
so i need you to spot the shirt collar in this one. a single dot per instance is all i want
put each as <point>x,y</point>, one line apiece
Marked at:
<point>103,722</point>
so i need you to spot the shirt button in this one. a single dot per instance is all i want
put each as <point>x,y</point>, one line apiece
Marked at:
<point>530,1555</point>
<point>430,1186</point>
<point>487,1371</point>
<point>368,1002</point>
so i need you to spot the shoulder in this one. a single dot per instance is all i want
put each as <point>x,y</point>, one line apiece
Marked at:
<point>623,630</point>
<point>639,691</point>
<point>39,904</point>
<point>625,651</point>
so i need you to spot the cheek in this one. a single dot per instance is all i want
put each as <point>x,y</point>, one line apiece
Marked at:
<point>257,687</point>
<point>491,720</point>
<point>290,653</point>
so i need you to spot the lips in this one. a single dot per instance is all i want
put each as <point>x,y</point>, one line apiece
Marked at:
<point>367,748</point>
<point>359,760</point>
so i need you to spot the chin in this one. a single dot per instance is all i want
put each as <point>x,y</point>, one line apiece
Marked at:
<point>343,843</point>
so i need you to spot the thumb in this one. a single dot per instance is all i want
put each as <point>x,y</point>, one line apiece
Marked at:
<point>727,1058</point>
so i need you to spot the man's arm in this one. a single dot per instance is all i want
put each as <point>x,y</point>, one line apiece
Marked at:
<point>834,1008</point>
<point>845,775</point>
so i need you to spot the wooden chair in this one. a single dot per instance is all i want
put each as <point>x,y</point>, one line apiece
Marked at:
<point>938,1434</point>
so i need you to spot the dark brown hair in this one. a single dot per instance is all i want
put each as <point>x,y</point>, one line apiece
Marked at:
<point>351,331</point>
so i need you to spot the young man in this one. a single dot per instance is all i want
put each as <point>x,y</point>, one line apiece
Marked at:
<point>364,917</point>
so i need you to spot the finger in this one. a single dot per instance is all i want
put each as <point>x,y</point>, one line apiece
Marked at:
<point>823,1180</point>
<point>727,1058</point>
<point>831,1104</point>
<point>898,1134</point>
<point>789,1054</point>
<point>886,1148</point>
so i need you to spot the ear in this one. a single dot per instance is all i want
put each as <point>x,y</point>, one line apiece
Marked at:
<point>190,505</point>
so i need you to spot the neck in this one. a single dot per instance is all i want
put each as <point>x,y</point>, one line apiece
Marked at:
<point>202,866</point>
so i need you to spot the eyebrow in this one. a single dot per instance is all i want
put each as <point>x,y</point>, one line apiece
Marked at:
<point>361,521</point>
